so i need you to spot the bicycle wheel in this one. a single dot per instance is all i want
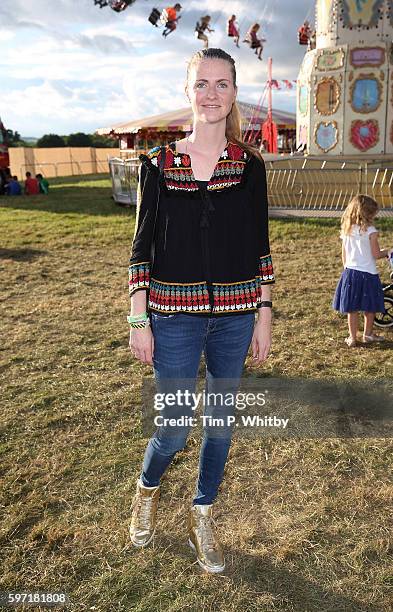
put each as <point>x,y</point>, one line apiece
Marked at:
<point>385,319</point>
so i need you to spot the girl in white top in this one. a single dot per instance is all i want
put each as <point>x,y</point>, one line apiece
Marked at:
<point>359,287</point>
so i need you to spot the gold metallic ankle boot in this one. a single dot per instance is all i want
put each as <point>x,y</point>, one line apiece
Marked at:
<point>203,538</point>
<point>144,509</point>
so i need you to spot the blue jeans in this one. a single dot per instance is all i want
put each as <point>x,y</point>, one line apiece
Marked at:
<point>179,341</point>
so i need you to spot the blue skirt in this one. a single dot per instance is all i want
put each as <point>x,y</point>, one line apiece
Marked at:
<point>358,291</point>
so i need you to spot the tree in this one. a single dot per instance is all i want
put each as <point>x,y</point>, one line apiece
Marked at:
<point>104,142</point>
<point>13,137</point>
<point>14,140</point>
<point>50,140</point>
<point>79,139</point>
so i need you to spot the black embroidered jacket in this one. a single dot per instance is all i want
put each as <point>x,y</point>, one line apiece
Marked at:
<point>212,251</point>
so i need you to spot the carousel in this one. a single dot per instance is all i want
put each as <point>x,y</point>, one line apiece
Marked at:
<point>140,135</point>
<point>345,84</point>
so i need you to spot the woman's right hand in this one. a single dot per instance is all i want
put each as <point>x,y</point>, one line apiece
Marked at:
<point>142,344</point>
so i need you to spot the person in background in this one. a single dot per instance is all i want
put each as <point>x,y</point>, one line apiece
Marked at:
<point>200,28</point>
<point>31,185</point>
<point>253,40</point>
<point>4,180</point>
<point>359,288</point>
<point>304,33</point>
<point>43,184</point>
<point>172,18</point>
<point>13,187</point>
<point>312,43</point>
<point>233,30</point>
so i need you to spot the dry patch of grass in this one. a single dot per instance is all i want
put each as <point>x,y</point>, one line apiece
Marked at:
<point>306,524</point>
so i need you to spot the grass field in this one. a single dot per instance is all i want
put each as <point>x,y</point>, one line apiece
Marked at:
<point>305,523</point>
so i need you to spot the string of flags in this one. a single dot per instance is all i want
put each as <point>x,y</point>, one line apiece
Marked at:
<point>283,84</point>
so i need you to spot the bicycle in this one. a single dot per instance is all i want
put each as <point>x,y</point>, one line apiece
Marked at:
<point>385,319</point>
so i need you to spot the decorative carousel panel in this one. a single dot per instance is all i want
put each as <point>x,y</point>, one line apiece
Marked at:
<point>303,135</point>
<point>307,64</point>
<point>326,135</point>
<point>330,60</point>
<point>367,56</point>
<point>303,99</point>
<point>362,14</point>
<point>366,94</point>
<point>327,96</point>
<point>389,116</point>
<point>364,135</point>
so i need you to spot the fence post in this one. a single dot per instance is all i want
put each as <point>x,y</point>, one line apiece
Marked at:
<point>360,185</point>
<point>366,176</point>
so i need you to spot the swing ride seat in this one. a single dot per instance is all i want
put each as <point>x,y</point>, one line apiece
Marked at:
<point>154,17</point>
<point>116,5</point>
<point>120,5</point>
<point>303,38</point>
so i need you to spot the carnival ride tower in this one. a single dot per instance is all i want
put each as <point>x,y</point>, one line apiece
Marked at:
<point>345,84</point>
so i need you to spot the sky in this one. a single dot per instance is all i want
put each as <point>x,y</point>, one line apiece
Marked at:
<point>68,66</point>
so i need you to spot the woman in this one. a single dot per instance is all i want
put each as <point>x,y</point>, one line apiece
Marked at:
<point>210,275</point>
<point>200,29</point>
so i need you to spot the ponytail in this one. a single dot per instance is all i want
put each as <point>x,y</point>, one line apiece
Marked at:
<point>233,132</point>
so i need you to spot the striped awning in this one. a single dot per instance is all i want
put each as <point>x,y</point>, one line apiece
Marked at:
<point>181,120</point>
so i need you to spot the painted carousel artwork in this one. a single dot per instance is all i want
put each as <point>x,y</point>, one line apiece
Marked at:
<point>366,94</point>
<point>303,99</point>
<point>327,96</point>
<point>326,135</point>
<point>364,134</point>
<point>361,13</point>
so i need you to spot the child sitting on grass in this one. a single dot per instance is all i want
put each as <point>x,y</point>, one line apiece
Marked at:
<point>43,184</point>
<point>359,287</point>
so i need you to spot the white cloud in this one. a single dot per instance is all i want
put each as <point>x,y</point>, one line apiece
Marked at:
<point>6,35</point>
<point>69,66</point>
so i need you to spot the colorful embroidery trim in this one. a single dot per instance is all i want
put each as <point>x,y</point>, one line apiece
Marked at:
<point>227,297</point>
<point>195,296</point>
<point>266,269</point>
<point>180,177</point>
<point>138,276</point>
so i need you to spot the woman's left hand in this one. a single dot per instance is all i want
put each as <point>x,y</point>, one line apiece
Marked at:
<point>262,338</point>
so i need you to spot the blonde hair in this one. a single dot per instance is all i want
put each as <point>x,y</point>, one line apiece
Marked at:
<point>361,211</point>
<point>233,130</point>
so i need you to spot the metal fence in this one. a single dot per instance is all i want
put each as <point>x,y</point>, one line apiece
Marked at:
<point>293,183</point>
<point>314,184</point>
<point>124,175</point>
